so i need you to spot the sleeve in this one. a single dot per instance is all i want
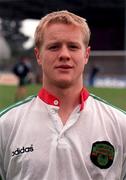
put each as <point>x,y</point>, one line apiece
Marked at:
<point>123,131</point>
<point>6,126</point>
<point>2,173</point>
<point>124,168</point>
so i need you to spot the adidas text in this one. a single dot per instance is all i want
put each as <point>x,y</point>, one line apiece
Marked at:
<point>23,150</point>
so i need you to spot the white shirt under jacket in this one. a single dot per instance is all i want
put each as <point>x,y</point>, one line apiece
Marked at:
<point>34,144</point>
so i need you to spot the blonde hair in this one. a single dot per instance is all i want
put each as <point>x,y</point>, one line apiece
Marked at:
<point>64,17</point>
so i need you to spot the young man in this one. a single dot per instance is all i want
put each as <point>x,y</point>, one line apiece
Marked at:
<point>64,133</point>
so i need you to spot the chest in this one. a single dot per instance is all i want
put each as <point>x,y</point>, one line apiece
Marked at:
<point>83,146</point>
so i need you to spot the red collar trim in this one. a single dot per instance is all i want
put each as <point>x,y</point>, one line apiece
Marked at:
<point>48,98</point>
<point>84,96</point>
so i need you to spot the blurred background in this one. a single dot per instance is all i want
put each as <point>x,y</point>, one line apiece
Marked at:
<point>105,74</point>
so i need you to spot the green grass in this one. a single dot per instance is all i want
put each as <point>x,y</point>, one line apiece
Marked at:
<point>7,94</point>
<point>115,96</point>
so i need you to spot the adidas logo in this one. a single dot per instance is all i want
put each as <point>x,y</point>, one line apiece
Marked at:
<point>22,150</point>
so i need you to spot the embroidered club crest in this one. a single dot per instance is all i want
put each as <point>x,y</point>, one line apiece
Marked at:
<point>102,154</point>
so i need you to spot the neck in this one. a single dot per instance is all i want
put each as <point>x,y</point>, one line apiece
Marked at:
<point>69,99</point>
<point>63,94</point>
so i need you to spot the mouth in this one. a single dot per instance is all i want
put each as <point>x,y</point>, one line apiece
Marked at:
<point>64,67</point>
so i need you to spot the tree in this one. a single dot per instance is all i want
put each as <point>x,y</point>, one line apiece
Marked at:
<point>11,31</point>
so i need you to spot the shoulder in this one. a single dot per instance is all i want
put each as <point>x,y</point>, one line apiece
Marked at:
<point>104,105</point>
<point>112,118</point>
<point>14,107</point>
<point>106,112</point>
<point>12,117</point>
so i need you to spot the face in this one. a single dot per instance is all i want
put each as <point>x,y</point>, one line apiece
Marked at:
<point>62,56</point>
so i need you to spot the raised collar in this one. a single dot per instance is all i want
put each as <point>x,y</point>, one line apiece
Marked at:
<point>50,99</point>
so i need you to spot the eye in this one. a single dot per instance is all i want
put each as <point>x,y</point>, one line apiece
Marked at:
<point>73,47</point>
<point>53,47</point>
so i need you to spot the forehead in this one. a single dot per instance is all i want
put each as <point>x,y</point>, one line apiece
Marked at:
<point>62,31</point>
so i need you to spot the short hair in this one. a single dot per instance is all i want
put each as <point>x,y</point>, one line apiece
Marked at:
<point>64,17</point>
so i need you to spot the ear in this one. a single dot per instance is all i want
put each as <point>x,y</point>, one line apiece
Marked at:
<point>87,54</point>
<point>37,54</point>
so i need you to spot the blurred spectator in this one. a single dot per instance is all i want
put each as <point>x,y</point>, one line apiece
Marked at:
<point>92,75</point>
<point>22,69</point>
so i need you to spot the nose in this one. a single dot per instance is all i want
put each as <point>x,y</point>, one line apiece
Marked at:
<point>64,53</point>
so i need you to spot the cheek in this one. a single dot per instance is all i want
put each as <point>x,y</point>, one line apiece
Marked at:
<point>81,64</point>
<point>80,61</point>
<point>79,67</point>
<point>46,63</point>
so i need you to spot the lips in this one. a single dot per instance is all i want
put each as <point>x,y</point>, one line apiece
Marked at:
<point>64,66</point>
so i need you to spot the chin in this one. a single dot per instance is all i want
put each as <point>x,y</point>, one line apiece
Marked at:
<point>63,84</point>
